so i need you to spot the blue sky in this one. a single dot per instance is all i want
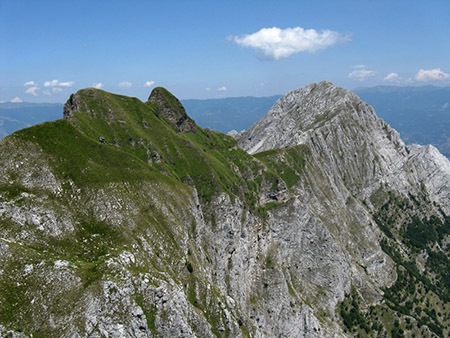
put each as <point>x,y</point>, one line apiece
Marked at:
<point>210,49</point>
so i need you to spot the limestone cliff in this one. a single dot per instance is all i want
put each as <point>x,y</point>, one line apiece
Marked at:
<point>126,220</point>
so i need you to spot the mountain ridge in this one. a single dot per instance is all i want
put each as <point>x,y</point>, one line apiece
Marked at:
<point>418,113</point>
<point>149,230</point>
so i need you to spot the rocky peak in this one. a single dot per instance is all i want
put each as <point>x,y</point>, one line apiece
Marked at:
<point>299,112</point>
<point>172,109</point>
<point>347,140</point>
<point>73,104</point>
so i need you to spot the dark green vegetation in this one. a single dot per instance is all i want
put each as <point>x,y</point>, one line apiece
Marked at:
<point>420,298</point>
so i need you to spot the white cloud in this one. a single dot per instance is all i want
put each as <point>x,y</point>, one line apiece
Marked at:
<point>66,84</point>
<point>30,84</point>
<point>361,73</point>
<point>222,89</point>
<point>51,83</point>
<point>392,77</point>
<point>16,100</point>
<point>32,91</point>
<point>431,75</point>
<point>98,85</point>
<point>56,90</point>
<point>125,84</point>
<point>56,83</point>
<point>149,83</point>
<point>47,92</point>
<point>276,43</point>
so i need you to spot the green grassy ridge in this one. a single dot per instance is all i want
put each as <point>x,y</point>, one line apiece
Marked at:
<point>136,128</point>
<point>210,159</point>
<point>83,160</point>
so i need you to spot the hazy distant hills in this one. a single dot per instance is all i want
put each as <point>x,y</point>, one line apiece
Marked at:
<point>420,114</point>
<point>15,116</point>
<point>234,113</point>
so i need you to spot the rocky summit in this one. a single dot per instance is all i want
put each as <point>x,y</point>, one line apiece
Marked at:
<point>125,219</point>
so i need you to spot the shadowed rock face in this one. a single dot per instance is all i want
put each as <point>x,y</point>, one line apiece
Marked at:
<point>172,109</point>
<point>169,230</point>
<point>73,104</point>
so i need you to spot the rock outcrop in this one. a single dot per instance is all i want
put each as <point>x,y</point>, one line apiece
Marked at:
<point>172,109</point>
<point>327,225</point>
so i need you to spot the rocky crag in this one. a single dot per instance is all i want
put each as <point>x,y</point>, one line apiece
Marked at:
<point>125,219</point>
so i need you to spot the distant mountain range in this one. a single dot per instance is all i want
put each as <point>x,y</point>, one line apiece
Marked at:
<point>233,113</point>
<point>15,116</point>
<point>420,114</point>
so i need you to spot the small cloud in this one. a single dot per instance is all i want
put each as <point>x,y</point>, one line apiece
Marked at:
<point>149,83</point>
<point>47,92</point>
<point>97,85</point>
<point>208,89</point>
<point>392,77</point>
<point>51,83</point>
<point>361,73</point>
<point>56,83</point>
<point>222,89</point>
<point>56,90</point>
<point>32,91</point>
<point>276,43</point>
<point>16,100</point>
<point>66,84</point>
<point>125,84</point>
<point>30,84</point>
<point>431,75</point>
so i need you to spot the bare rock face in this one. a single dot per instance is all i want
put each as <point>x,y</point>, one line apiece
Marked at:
<point>75,104</point>
<point>347,140</point>
<point>172,109</point>
<point>433,171</point>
